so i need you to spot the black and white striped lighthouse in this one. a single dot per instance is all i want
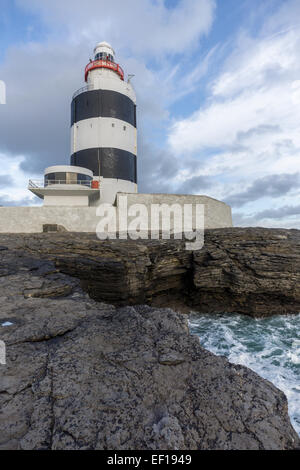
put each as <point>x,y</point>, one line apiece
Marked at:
<point>103,126</point>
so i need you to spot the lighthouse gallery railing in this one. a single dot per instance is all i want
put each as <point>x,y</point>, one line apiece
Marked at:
<point>106,64</point>
<point>39,184</point>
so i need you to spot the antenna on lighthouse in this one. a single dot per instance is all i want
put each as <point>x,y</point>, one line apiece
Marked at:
<point>130,76</point>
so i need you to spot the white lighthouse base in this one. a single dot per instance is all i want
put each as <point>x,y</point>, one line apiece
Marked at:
<point>109,188</point>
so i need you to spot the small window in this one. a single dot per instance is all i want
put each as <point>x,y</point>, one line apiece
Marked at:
<point>104,56</point>
<point>113,125</point>
<point>124,128</point>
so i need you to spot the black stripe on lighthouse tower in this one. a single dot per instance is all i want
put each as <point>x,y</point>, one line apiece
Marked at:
<point>114,163</point>
<point>103,103</point>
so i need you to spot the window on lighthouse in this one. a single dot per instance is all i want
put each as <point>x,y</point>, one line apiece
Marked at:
<point>104,56</point>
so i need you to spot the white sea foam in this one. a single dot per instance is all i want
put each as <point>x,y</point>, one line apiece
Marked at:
<point>7,323</point>
<point>269,346</point>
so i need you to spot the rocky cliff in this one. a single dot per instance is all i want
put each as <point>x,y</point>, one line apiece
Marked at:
<point>251,271</point>
<point>87,375</point>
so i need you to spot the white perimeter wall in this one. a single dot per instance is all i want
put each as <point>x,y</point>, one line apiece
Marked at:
<point>84,219</point>
<point>217,214</point>
<point>32,219</point>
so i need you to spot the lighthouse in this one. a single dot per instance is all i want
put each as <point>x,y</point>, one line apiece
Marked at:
<point>103,125</point>
<point>103,139</point>
<point>100,183</point>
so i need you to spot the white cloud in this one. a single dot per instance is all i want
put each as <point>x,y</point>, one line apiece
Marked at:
<point>287,216</point>
<point>252,117</point>
<point>249,127</point>
<point>144,27</point>
<point>14,181</point>
<point>257,62</point>
<point>258,89</point>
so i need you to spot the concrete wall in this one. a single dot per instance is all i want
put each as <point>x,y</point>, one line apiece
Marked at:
<point>217,214</point>
<point>67,201</point>
<point>32,219</point>
<point>84,219</point>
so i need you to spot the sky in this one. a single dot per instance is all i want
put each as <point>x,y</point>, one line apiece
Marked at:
<point>218,95</point>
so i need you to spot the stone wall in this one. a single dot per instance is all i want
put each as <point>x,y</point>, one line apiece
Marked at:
<point>85,219</point>
<point>217,214</point>
<point>32,219</point>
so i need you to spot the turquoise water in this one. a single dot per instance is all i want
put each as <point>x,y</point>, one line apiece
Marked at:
<point>269,346</point>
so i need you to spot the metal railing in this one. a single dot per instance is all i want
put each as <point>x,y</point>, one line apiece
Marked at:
<point>82,90</point>
<point>40,184</point>
<point>98,64</point>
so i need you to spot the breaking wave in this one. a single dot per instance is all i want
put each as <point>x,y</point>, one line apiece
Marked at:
<point>269,346</point>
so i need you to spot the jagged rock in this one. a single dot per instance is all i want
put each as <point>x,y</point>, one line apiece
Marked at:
<point>88,375</point>
<point>251,271</point>
<point>94,379</point>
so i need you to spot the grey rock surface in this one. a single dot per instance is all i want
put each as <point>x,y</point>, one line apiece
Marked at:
<point>88,375</point>
<point>254,271</point>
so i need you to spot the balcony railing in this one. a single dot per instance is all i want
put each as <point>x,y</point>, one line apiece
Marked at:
<point>41,184</point>
<point>83,90</point>
<point>106,64</point>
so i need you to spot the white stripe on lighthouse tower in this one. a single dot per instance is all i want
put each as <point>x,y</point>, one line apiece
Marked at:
<point>103,132</point>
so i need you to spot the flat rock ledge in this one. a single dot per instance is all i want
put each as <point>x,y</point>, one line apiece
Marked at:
<point>87,375</point>
<point>254,271</point>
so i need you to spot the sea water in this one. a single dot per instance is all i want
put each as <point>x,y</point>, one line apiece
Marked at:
<point>269,346</point>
